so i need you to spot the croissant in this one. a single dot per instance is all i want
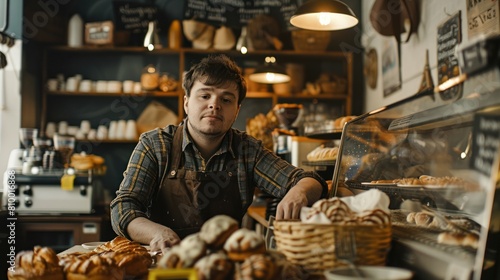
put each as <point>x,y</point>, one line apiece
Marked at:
<point>41,263</point>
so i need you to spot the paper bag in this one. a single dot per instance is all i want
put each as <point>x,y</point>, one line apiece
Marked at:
<point>155,115</point>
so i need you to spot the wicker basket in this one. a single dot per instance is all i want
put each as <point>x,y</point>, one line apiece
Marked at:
<point>308,40</point>
<point>312,246</point>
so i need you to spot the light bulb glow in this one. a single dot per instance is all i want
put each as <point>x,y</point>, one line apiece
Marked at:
<point>270,77</point>
<point>151,47</point>
<point>244,50</point>
<point>324,19</point>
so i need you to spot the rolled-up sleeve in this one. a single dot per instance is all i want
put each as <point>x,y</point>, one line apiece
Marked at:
<point>139,185</point>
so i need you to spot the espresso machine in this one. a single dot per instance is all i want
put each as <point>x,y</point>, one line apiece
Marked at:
<point>36,182</point>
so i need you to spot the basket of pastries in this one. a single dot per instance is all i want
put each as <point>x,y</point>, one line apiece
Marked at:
<point>310,242</point>
<point>222,250</point>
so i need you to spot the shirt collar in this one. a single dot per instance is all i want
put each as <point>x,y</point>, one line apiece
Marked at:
<point>226,145</point>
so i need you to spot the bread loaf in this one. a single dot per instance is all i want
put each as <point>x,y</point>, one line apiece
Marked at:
<point>322,153</point>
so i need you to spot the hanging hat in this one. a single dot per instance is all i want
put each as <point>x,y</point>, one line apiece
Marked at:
<point>387,22</point>
<point>224,38</point>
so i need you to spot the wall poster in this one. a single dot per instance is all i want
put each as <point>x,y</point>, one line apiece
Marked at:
<point>449,36</point>
<point>391,74</point>
<point>482,17</point>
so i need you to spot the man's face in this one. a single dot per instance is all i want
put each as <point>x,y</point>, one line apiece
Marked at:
<point>211,110</point>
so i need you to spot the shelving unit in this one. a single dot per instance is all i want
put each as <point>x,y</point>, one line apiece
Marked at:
<point>127,63</point>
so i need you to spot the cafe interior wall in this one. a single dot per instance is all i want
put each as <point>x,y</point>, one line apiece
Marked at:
<point>433,13</point>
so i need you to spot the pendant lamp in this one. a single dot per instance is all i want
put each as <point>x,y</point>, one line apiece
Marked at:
<point>269,73</point>
<point>324,15</point>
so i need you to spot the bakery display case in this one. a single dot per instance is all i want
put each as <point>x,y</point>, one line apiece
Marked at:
<point>436,156</point>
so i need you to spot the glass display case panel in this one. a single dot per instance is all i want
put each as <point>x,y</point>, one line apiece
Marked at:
<point>439,157</point>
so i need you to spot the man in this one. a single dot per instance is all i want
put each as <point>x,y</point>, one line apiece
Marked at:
<point>180,176</point>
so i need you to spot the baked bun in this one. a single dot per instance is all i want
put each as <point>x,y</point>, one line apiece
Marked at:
<point>423,219</point>
<point>340,122</point>
<point>257,267</point>
<point>185,254</point>
<point>217,229</point>
<point>244,243</point>
<point>94,268</point>
<point>42,264</point>
<point>215,266</point>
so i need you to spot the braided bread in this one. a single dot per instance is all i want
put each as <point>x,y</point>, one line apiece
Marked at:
<point>42,263</point>
<point>94,268</point>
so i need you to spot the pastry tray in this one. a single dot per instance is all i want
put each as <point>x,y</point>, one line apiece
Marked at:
<point>433,197</point>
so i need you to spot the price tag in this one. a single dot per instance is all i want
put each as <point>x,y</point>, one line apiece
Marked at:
<point>67,182</point>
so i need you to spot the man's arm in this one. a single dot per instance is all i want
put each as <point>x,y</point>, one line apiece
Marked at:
<point>307,191</point>
<point>157,236</point>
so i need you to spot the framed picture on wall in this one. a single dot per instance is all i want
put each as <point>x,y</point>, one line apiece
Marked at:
<point>391,73</point>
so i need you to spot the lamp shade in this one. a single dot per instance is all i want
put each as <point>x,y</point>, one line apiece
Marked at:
<point>324,15</point>
<point>269,73</point>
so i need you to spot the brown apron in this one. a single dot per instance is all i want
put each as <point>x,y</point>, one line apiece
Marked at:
<point>187,198</point>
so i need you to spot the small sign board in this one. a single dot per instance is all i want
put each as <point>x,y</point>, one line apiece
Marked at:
<point>483,17</point>
<point>99,33</point>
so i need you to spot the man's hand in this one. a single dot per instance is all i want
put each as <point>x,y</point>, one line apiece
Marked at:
<point>164,240</point>
<point>158,237</point>
<point>304,193</point>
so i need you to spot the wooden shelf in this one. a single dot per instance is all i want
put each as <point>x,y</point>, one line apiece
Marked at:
<point>95,93</point>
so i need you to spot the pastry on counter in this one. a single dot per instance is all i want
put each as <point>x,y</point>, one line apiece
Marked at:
<point>243,243</point>
<point>215,266</point>
<point>94,268</point>
<point>42,263</point>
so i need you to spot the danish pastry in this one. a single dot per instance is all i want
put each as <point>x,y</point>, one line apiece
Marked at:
<point>216,230</point>
<point>244,243</point>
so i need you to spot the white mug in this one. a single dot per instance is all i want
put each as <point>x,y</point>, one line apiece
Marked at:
<point>71,84</point>
<point>114,86</point>
<point>63,127</point>
<point>53,84</point>
<point>50,129</point>
<point>92,135</point>
<point>85,86</point>
<point>120,129</point>
<point>112,130</point>
<point>128,86</point>
<point>101,86</point>
<point>85,126</point>
<point>131,130</point>
<point>102,132</point>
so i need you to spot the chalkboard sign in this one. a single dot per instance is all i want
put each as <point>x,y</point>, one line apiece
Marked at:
<point>237,13</point>
<point>449,35</point>
<point>133,16</point>
<point>485,142</point>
